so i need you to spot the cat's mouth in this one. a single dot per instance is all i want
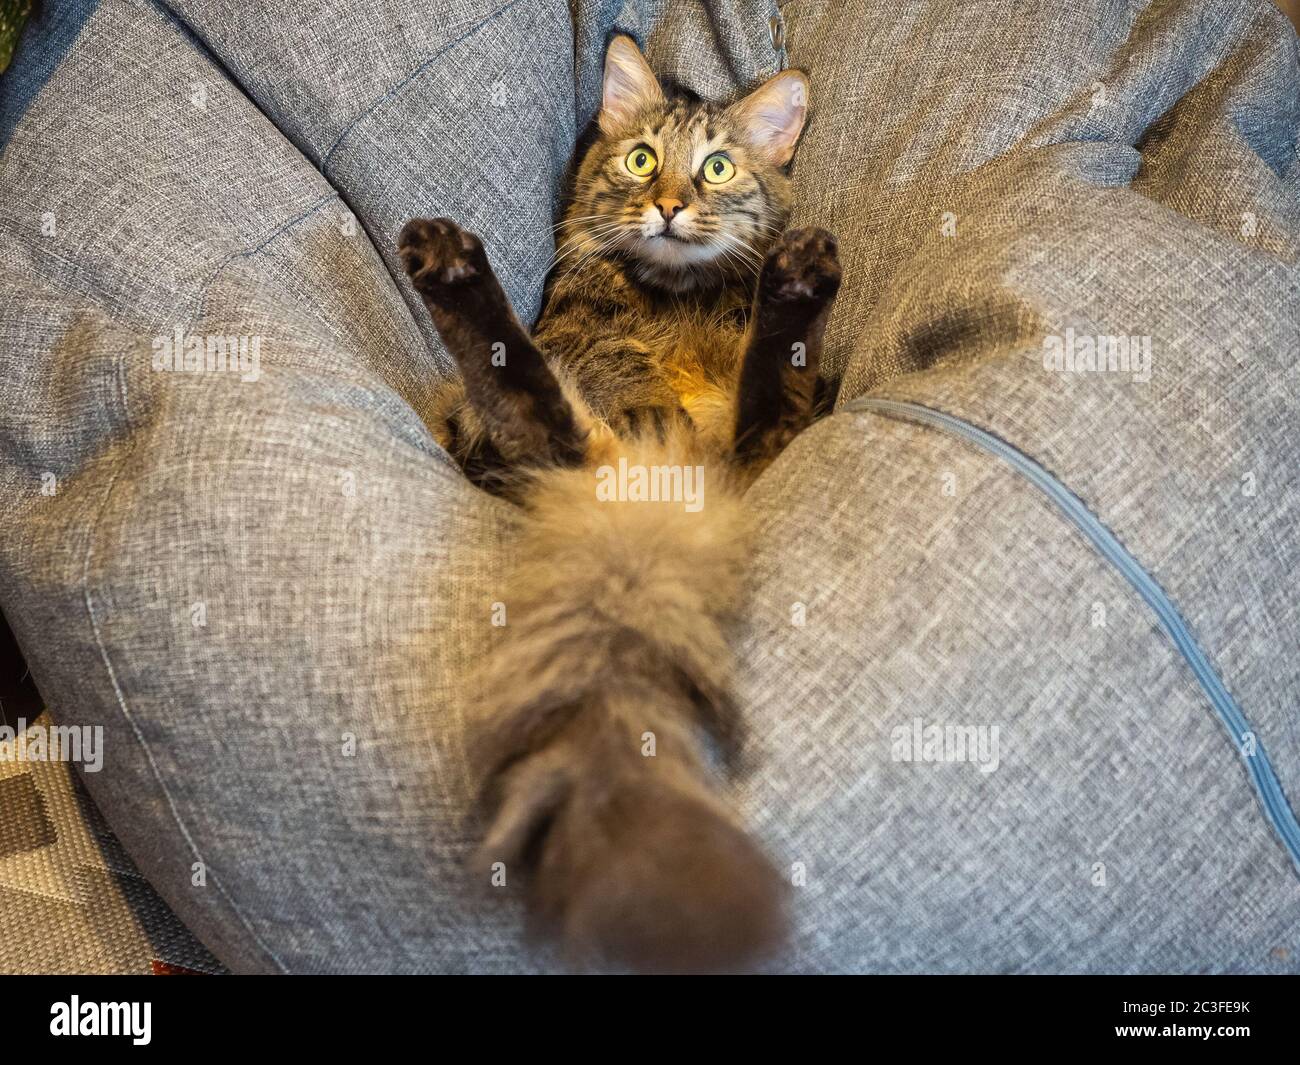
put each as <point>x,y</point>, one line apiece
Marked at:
<point>669,238</point>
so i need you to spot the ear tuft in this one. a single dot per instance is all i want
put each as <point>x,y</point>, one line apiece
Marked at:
<point>773,115</point>
<point>630,85</point>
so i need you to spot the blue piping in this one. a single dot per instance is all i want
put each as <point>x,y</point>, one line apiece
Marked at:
<point>1267,786</point>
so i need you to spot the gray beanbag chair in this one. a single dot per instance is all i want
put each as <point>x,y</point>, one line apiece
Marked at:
<point>1020,659</point>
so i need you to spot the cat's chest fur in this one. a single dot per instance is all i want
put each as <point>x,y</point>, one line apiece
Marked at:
<point>697,344</point>
<point>691,342</point>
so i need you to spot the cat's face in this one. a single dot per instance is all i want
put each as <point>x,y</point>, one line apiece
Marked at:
<point>686,192</point>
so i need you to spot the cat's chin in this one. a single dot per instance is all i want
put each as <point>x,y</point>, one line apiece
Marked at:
<point>673,251</point>
<point>673,263</point>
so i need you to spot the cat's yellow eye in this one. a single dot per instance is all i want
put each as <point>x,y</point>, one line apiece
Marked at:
<point>641,161</point>
<point>718,169</point>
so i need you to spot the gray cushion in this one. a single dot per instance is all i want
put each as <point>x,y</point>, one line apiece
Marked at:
<point>239,578</point>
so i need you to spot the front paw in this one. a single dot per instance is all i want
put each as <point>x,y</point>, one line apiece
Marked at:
<point>440,257</point>
<point>802,267</point>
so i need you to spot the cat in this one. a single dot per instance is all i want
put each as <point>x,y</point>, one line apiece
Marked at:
<point>681,333</point>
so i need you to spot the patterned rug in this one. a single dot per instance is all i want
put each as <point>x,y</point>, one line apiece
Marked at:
<point>71,901</point>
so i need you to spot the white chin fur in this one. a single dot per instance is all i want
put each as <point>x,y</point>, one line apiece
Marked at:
<point>666,252</point>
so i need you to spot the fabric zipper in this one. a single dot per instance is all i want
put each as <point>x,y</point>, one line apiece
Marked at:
<point>1267,786</point>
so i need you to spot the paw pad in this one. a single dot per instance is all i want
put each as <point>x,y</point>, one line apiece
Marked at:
<point>803,266</point>
<point>437,253</point>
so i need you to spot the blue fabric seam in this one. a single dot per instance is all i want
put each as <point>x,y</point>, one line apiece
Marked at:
<point>420,69</point>
<point>200,302</point>
<point>1268,788</point>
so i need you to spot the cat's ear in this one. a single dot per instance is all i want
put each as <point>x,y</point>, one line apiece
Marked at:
<point>630,85</point>
<point>772,116</point>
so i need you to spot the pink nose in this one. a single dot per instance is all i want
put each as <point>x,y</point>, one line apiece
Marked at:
<point>668,208</point>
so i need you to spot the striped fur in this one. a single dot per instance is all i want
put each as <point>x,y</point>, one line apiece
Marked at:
<point>681,332</point>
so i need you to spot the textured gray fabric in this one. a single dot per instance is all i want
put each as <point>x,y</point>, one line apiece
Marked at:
<point>239,578</point>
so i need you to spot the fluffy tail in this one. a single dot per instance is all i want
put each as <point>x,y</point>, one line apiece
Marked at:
<point>601,702</point>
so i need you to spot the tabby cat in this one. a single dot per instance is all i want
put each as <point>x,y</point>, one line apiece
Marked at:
<point>681,335</point>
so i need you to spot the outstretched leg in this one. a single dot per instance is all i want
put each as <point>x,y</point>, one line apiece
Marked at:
<point>507,381</point>
<point>778,373</point>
